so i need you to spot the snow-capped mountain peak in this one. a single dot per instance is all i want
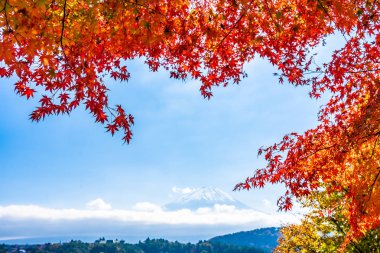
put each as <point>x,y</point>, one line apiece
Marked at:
<point>208,194</point>
<point>203,197</point>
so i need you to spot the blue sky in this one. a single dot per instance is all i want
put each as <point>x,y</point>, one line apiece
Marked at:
<point>180,140</point>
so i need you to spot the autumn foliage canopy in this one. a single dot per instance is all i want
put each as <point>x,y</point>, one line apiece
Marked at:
<point>65,49</point>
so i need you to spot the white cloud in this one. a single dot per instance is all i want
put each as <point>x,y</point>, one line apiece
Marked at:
<point>147,213</point>
<point>144,219</point>
<point>224,208</point>
<point>98,204</point>
<point>146,206</point>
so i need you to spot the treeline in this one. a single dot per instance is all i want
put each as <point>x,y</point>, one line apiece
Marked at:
<point>147,246</point>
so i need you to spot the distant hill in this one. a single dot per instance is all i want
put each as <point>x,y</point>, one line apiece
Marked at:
<point>263,238</point>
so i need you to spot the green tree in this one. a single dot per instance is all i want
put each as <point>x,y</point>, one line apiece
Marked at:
<point>324,229</point>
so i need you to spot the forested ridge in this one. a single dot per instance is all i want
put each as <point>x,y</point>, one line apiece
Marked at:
<point>147,246</point>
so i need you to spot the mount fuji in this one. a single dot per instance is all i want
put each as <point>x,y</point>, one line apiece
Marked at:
<point>204,197</point>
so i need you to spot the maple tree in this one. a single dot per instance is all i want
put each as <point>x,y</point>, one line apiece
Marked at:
<point>65,49</point>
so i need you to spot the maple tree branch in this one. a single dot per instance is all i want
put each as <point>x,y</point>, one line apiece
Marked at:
<point>363,71</point>
<point>339,228</point>
<point>270,14</point>
<point>233,27</point>
<point>377,133</point>
<point>374,146</point>
<point>10,30</point>
<point>373,184</point>
<point>62,31</point>
<point>316,151</point>
<point>6,16</point>
<point>146,7</point>
<point>63,23</point>
<point>109,109</point>
<point>327,13</point>
<point>5,5</point>
<point>349,72</point>
<point>325,10</point>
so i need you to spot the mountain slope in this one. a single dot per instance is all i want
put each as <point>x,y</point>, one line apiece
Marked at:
<point>263,238</point>
<point>203,197</point>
